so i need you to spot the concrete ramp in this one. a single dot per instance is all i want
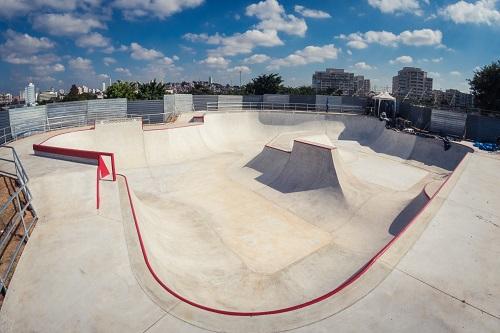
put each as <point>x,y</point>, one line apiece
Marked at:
<point>270,163</point>
<point>310,167</point>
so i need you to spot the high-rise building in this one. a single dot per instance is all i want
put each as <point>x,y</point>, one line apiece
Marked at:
<point>30,95</point>
<point>103,86</point>
<point>5,99</point>
<point>210,80</point>
<point>337,79</point>
<point>453,98</point>
<point>363,86</point>
<point>412,83</point>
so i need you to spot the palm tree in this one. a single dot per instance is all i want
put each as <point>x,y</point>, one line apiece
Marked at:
<point>122,89</point>
<point>151,90</point>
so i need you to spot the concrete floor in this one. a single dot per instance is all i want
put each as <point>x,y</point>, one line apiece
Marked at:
<point>233,218</point>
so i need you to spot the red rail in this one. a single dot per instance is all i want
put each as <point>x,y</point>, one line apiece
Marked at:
<point>353,278</point>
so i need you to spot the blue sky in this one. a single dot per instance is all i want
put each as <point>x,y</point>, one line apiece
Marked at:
<point>56,43</point>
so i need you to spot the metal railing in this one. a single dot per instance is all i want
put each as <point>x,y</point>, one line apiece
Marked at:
<point>21,199</point>
<point>18,131</point>
<point>265,106</point>
<point>154,118</point>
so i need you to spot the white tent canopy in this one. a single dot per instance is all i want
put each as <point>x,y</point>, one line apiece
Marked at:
<point>385,96</point>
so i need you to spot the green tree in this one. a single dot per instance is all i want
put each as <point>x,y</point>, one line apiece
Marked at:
<point>73,95</point>
<point>485,86</point>
<point>151,90</point>
<point>73,91</point>
<point>303,90</point>
<point>265,84</point>
<point>122,89</point>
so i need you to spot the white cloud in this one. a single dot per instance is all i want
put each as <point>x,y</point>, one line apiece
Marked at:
<point>165,61</point>
<point>242,69</point>
<point>256,59</point>
<point>362,65</point>
<point>397,6</point>
<point>42,70</point>
<point>123,71</point>
<point>12,8</point>
<point>434,75</point>
<point>360,40</point>
<point>80,64</point>
<point>24,44</point>
<point>18,59</point>
<point>215,62</point>
<point>94,39</point>
<point>161,9</point>
<point>141,53</point>
<point>103,77</point>
<point>437,60</point>
<point>402,60</point>
<point>311,13</point>
<point>479,12</point>
<point>25,49</point>
<point>455,73</point>
<point>272,16</point>
<point>272,19</point>
<point>108,61</point>
<point>66,24</point>
<point>308,55</point>
<point>238,43</point>
<point>58,68</point>
<point>423,37</point>
<point>204,37</point>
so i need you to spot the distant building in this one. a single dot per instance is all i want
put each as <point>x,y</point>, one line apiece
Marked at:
<point>334,79</point>
<point>47,95</point>
<point>412,83</point>
<point>210,80</point>
<point>453,98</point>
<point>5,99</point>
<point>30,95</point>
<point>103,86</point>
<point>363,86</point>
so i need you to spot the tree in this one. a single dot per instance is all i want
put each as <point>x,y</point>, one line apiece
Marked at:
<point>265,84</point>
<point>122,89</point>
<point>303,90</point>
<point>74,95</point>
<point>151,90</point>
<point>485,86</point>
<point>73,91</point>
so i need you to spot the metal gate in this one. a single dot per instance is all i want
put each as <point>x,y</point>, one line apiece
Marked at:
<point>446,122</point>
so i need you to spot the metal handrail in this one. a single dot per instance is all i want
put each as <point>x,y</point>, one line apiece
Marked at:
<point>20,207</point>
<point>150,118</point>
<point>268,106</point>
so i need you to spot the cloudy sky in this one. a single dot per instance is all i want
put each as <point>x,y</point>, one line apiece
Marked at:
<point>56,43</point>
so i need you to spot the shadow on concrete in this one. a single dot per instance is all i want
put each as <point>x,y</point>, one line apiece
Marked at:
<point>408,214</point>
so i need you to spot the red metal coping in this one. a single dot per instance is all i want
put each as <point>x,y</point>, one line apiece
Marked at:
<point>353,278</point>
<point>315,144</point>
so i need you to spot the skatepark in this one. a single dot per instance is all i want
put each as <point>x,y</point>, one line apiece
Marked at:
<point>258,222</point>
